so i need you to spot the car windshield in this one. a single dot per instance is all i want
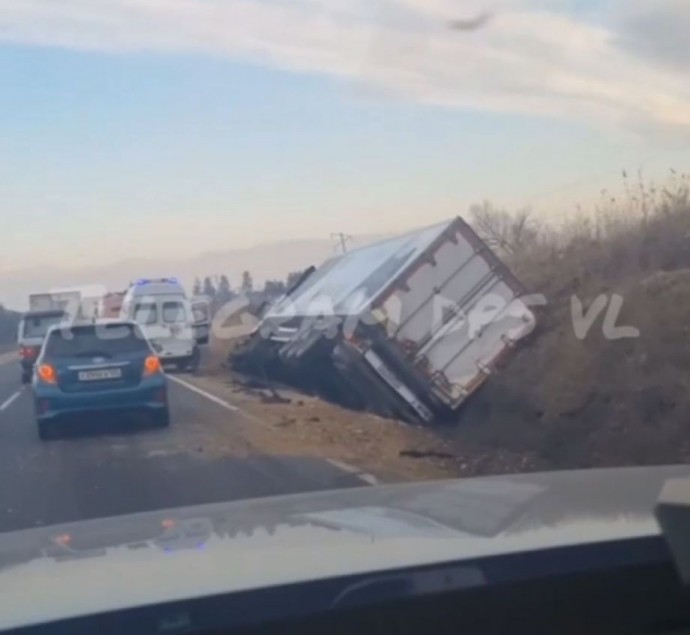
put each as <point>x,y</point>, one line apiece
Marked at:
<point>37,327</point>
<point>146,313</point>
<point>95,341</point>
<point>174,311</point>
<point>362,243</point>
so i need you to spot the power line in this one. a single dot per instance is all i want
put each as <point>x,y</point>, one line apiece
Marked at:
<point>343,239</point>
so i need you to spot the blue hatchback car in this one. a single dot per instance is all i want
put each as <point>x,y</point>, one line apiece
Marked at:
<point>96,368</point>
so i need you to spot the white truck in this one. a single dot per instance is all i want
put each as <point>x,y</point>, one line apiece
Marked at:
<point>410,326</point>
<point>68,301</point>
<point>168,318</point>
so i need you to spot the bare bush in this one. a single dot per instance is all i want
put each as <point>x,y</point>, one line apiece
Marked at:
<point>502,230</point>
<point>646,229</point>
<point>572,402</point>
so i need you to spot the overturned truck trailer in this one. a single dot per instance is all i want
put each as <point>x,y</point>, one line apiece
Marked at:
<point>408,327</point>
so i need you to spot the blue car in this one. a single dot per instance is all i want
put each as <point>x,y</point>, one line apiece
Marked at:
<point>97,368</point>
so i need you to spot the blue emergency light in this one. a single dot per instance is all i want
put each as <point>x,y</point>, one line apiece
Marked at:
<point>145,281</point>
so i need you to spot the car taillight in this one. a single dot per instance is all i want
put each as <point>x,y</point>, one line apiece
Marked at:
<point>47,373</point>
<point>28,352</point>
<point>152,365</point>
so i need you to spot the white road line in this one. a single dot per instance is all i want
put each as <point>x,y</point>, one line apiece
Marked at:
<point>10,400</point>
<point>346,467</point>
<point>203,393</point>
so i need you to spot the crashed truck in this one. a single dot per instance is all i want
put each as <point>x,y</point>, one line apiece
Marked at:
<point>408,327</point>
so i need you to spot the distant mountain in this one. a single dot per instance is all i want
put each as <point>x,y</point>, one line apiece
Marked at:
<point>267,261</point>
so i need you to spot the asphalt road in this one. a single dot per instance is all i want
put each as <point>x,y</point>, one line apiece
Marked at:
<point>110,468</point>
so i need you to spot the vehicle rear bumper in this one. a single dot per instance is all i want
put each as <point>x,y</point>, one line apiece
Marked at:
<point>175,359</point>
<point>53,403</point>
<point>169,350</point>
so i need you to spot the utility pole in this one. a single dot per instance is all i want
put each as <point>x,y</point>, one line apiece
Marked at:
<point>343,239</point>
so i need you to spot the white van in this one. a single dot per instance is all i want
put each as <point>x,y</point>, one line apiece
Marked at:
<point>167,318</point>
<point>33,328</point>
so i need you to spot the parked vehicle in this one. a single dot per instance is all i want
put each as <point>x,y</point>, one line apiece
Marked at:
<point>33,328</point>
<point>409,326</point>
<point>201,311</point>
<point>167,317</point>
<point>95,368</point>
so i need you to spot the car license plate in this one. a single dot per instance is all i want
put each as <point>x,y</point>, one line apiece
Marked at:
<point>98,375</point>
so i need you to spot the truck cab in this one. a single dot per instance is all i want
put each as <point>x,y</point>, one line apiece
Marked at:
<point>33,328</point>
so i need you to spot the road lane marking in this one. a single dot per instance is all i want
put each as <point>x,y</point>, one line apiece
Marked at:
<point>10,400</point>
<point>346,467</point>
<point>203,393</point>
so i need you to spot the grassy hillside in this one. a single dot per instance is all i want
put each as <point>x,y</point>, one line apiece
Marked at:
<point>569,402</point>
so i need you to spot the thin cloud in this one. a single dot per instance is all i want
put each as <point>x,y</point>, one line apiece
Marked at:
<point>657,31</point>
<point>524,60</point>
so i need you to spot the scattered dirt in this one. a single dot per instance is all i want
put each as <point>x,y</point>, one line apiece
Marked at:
<point>280,420</point>
<point>315,428</point>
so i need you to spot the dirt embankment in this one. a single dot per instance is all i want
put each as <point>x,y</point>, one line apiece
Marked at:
<point>611,399</point>
<point>569,403</point>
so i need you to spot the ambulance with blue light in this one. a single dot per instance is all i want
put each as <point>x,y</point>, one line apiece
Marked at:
<point>168,319</point>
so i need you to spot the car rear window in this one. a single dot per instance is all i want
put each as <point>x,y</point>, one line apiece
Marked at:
<point>174,312</point>
<point>38,326</point>
<point>98,340</point>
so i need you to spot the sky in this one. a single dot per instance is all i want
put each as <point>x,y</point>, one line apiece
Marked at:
<point>151,128</point>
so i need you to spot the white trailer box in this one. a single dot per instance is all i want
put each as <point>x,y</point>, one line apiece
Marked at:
<point>68,301</point>
<point>430,314</point>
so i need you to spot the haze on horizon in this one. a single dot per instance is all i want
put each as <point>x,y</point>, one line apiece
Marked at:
<point>142,129</point>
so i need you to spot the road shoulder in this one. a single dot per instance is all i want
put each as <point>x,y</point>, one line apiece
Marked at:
<point>291,423</point>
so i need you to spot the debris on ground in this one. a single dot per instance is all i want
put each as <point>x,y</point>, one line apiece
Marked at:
<point>387,448</point>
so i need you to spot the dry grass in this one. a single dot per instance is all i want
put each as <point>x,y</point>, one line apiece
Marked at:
<point>575,403</point>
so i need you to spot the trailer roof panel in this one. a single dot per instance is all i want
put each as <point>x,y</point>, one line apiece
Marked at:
<point>349,284</point>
